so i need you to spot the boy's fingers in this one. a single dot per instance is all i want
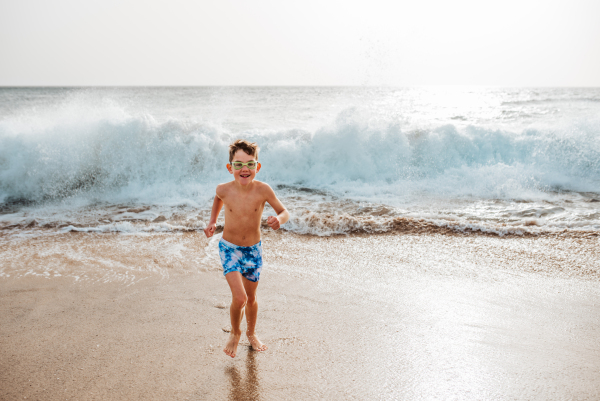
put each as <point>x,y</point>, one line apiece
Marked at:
<point>209,231</point>
<point>273,222</point>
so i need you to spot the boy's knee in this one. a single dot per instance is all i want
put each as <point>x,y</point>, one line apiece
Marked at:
<point>251,300</point>
<point>240,301</point>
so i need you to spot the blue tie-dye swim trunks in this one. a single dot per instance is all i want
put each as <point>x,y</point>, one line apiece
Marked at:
<point>244,259</point>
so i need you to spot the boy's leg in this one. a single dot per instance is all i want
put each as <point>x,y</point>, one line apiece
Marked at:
<point>251,314</point>
<point>236,310</point>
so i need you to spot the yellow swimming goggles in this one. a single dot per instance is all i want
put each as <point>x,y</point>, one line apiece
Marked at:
<point>238,165</point>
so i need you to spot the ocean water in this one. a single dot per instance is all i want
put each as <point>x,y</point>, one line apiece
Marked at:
<point>492,160</point>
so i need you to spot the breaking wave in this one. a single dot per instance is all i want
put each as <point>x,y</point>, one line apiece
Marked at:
<point>118,157</point>
<point>95,167</point>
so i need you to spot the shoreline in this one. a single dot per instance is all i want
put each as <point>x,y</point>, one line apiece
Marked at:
<point>348,317</point>
<point>396,226</point>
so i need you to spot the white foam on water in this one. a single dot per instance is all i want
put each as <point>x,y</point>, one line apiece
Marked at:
<point>69,164</point>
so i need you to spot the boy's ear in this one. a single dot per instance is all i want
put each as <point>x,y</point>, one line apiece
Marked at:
<point>258,167</point>
<point>229,168</point>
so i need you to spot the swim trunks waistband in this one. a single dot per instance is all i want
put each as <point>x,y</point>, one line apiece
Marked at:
<point>234,246</point>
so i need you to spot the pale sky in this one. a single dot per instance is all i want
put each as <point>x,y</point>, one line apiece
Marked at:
<point>260,42</point>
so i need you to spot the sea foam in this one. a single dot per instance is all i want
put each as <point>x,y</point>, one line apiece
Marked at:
<point>79,156</point>
<point>137,157</point>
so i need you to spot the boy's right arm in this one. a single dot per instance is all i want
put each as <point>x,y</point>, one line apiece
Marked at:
<point>212,224</point>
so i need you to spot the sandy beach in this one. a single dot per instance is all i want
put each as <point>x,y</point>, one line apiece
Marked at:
<point>414,316</point>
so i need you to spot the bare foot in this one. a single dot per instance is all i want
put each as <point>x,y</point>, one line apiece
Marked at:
<point>232,344</point>
<point>257,345</point>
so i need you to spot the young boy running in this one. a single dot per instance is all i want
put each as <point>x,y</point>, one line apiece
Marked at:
<point>240,247</point>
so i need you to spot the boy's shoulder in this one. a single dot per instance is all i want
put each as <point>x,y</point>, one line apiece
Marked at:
<point>224,187</point>
<point>263,187</point>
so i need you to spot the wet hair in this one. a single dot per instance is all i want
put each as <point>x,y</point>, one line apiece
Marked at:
<point>250,148</point>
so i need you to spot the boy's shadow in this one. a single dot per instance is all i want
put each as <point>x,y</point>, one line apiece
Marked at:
<point>244,388</point>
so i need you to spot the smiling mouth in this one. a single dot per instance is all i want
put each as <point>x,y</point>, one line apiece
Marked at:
<point>244,175</point>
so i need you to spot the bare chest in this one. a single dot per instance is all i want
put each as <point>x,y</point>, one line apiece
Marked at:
<point>244,208</point>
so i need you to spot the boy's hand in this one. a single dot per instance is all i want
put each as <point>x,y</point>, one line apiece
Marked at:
<point>210,230</point>
<point>273,222</point>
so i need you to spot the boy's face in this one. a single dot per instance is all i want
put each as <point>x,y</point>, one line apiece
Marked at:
<point>245,175</point>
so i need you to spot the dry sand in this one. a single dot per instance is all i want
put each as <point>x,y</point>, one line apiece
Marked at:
<point>416,316</point>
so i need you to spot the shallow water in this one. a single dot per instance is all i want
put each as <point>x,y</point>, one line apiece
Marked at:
<point>346,317</point>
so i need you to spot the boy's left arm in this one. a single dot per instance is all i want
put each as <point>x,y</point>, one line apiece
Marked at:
<point>282,214</point>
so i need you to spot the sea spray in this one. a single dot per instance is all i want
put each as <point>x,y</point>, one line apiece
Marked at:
<point>140,157</point>
<point>81,156</point>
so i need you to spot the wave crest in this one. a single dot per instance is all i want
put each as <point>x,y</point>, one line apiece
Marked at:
<point>125,157</point>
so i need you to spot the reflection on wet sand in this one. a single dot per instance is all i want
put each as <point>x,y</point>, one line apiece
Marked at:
<point>244,387</point>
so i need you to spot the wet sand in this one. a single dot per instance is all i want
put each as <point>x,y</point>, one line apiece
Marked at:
<point>112,316</point>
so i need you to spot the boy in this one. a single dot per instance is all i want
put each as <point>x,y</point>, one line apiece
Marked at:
<point>240,247</point>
